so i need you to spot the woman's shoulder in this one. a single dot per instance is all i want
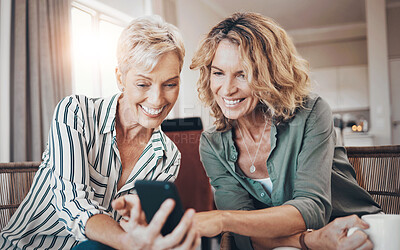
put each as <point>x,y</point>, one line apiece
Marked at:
<point>314,110</point>
<point>83,107</point>
<point>83,100</point>
<point>314,103</point>
<point>213,136</point>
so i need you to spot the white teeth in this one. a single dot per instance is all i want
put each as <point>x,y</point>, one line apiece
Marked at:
<point>152,111</point>
<point>232,102</point>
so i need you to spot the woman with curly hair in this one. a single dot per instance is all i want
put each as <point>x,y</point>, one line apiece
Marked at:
<point>273,149</point>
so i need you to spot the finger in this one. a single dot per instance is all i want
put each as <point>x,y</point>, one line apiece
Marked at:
<point>126,225</point>
<point>190,239</point>
<point>142,219</point>
<point>119,203</point>
<point>348,222</point>
<point>356,240</point>
<point>160,217</point>
<point>125,213</point>
<point>135,207</point>
<point>197,242</point>
<point>181,229</point>
<point>367,246</point>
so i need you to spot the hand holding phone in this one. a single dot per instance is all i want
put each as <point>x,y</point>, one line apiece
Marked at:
<point>152,194</point>
<point>148,236</point>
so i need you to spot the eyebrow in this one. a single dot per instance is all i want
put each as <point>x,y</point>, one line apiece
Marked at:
<point>171,79</point>
<point>143,76</point>
<point>237,72</point>
<point>148,78</point>
<point>215,67</point>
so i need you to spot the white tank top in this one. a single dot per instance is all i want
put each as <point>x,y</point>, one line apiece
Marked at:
<point>266,183</point>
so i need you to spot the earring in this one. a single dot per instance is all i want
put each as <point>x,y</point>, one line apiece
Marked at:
<point>122,89</point>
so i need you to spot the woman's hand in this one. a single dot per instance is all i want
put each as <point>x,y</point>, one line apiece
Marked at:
<point>124,205</point>
<point>139,235</point>
<point>210,223</point>
<point>334,235</point>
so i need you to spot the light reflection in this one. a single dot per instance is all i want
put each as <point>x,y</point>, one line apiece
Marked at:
<point>93,54</point>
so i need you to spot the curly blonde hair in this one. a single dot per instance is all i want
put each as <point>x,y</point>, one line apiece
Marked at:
<point>276,73</point>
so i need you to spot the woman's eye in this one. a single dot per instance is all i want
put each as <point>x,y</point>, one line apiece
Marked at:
<point>171,85</point>
<point>217,73</point>
<point>142,85</point>
<point>241,76</point>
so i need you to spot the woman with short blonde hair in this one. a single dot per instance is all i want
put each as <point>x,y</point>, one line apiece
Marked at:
<point>99,147</point>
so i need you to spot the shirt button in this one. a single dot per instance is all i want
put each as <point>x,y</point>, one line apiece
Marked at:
<point>233,157</point>
<point>262,194</point>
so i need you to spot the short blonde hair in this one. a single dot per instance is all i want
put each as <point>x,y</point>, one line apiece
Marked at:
<point>143,42</point>
<point>277,75</point>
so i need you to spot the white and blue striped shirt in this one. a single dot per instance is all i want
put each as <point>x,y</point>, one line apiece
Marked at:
<point>79,175</point>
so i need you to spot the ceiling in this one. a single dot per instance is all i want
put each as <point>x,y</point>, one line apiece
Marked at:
<point>299,14</point>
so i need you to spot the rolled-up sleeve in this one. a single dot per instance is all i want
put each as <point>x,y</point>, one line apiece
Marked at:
<point>312,187</point>
<point>74,197</point>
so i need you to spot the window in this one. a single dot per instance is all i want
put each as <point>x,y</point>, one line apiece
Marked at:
<point>94,42</point>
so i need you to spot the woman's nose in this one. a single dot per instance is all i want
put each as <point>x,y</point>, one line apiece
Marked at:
<point>228,86</point>
<point>155,96</point>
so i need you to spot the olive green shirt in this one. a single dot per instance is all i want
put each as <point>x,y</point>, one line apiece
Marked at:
<point>307,169</point>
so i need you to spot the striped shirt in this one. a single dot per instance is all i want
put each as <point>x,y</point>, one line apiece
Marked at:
<point>79,175</point>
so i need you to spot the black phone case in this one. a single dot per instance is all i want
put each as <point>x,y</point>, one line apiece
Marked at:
<point>152,194</point>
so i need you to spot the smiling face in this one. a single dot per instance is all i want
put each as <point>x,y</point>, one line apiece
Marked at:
<point>148,97</point>
<point>228,81</point>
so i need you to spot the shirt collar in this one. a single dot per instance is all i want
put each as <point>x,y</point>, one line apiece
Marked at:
<point>158,141</point>
<point>107,118</point>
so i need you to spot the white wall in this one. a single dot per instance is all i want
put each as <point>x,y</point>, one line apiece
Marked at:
<point>195,19</point>
<point>132,8</point>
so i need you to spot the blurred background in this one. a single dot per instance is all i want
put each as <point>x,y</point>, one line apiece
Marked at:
<point>53,48</point>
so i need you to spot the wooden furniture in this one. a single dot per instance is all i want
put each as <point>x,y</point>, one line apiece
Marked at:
<point>15,181</point>
<point>378,172</point>
<point>192,182</point>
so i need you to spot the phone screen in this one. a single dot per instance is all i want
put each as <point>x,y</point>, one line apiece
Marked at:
<point>152,194</point>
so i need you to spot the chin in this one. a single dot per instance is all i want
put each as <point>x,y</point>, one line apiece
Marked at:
<point>149,122</point>
<point>231,115</point>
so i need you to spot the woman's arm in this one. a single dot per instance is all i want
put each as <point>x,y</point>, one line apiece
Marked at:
<point>312,186</point>
<point>272,222</point>
<point>332,236</point>
<point>70,180</point>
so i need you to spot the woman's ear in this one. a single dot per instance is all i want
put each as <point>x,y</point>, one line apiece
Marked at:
<point>118,76</point>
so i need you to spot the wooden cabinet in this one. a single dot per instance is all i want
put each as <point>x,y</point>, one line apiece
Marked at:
<point>344,88</point>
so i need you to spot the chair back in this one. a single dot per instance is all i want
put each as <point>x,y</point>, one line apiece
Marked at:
<point>15,181</point>
<point>192,182</point>
<point>378,171</point>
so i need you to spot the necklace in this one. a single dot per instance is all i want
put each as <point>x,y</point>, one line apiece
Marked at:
<point>252,167</point>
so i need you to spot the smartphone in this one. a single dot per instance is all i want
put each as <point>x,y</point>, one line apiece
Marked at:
<point>152,194</point>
